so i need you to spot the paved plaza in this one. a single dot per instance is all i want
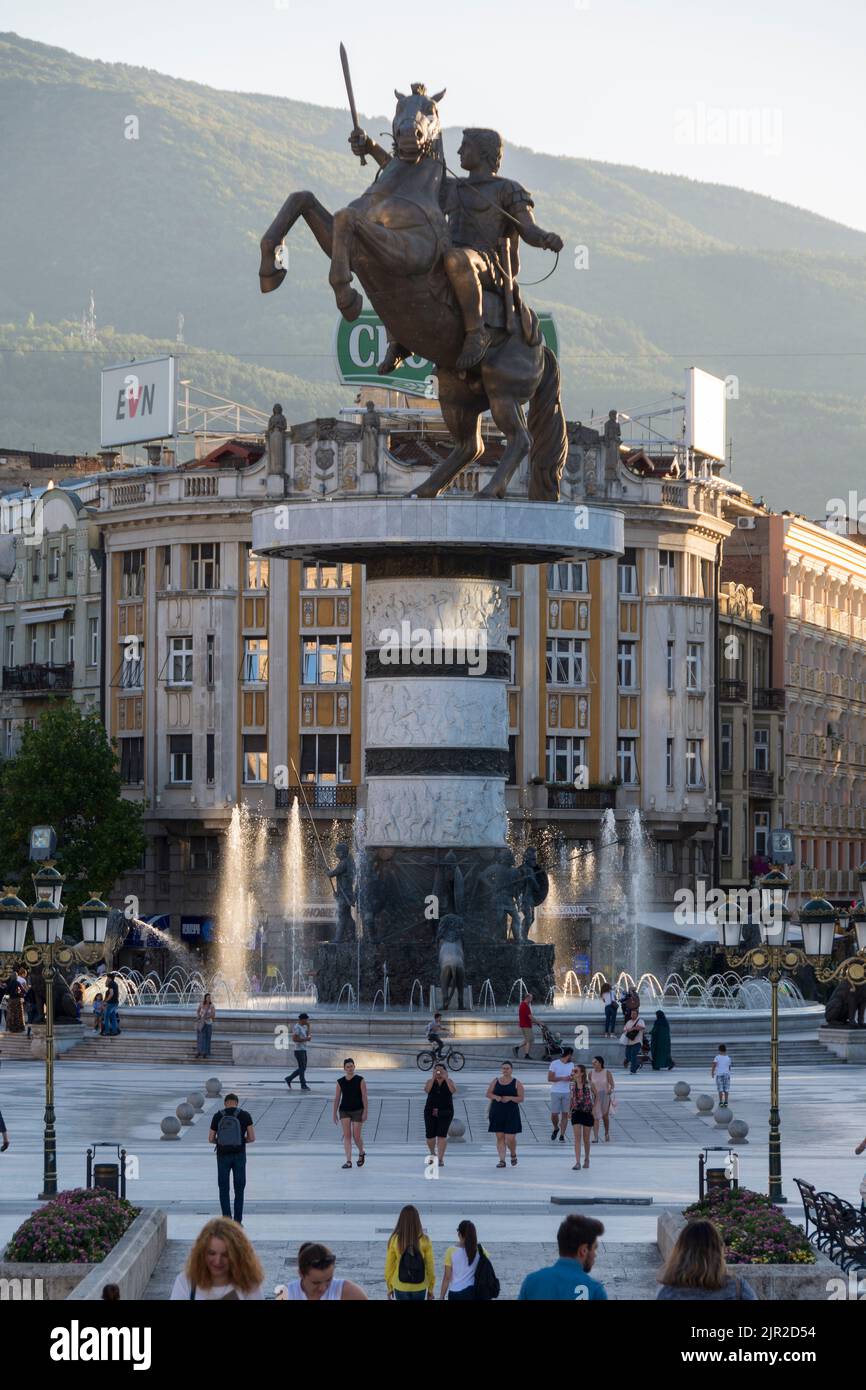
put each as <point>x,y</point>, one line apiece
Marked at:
<point>296,1188</point>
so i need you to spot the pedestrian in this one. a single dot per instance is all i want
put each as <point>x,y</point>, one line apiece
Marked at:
<point>506,1097</point>
<point>608,999</point>
<point>468,1274</point>
<point>559,1074</point>
<point>696,1268</point>
<point>660,1043</point>
<point>98,1010</point>
<point>721,1070</point>
<point>4,1135</point>
<point>632,1038</point>
<point>350,1102</point>
<point>580,1101</point>
<point>301,1033</point>
<point>31,1008</point>
<point>438,1111</point>
<point>603,1099</point>
<point>222,1264</point>
<point>78,996</point>
<point>15,990</point>
<point>859,1150</point>
<point>525,1024</point>
<point>316,1282</point>
<point>4,1003</point>
<point>205,1018</point>
<point>410,1274</point>
<point>231,1130</point>
<point>569,1278</point>
<point>111,1293</point>
<point>110,1027</point>
<point>434,1033</point>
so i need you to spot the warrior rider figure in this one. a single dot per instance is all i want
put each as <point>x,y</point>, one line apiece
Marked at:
<point>487,217</point>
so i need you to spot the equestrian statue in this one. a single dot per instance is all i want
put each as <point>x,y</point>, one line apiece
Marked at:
<point>438,258</point>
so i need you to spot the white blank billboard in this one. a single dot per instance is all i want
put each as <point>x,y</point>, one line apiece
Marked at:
<point>138,402</point>
<point>705,413</point>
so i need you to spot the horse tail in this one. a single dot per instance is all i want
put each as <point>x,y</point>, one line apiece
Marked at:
<point>546,425</point>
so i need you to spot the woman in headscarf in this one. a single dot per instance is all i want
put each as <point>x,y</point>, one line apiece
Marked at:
<point>660,1043</point>
<point>15,990</point>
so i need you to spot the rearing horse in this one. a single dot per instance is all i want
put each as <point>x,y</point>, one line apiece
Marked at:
<point>393,238</point>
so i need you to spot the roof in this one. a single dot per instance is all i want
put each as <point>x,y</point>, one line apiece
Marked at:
<point>238,452</point>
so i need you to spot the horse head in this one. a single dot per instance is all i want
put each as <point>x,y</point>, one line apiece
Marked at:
<point>416,128</point>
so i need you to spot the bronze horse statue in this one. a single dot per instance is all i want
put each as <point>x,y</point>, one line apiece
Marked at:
<point>393,239</point>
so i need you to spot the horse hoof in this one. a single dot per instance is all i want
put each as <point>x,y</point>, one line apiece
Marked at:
<point>271,281</point>
<point>350,303</point>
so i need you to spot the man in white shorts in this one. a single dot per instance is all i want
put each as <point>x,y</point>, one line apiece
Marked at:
<point>721,1070</point>
<point>559,1075</point>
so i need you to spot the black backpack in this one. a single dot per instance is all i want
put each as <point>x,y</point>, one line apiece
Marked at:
<point>486,1282</point>
<point>229,1135</point>
<point>411,1269</point>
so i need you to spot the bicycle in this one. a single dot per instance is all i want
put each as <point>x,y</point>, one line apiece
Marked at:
<point>453,1060</point>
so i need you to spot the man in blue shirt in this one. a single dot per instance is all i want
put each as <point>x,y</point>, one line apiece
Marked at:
<point>569,1279</point>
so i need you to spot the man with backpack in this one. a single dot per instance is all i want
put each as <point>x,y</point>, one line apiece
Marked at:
<point>231,1129</point>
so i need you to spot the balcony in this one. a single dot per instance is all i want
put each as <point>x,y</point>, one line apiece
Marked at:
<point>761,783</point>
<point>732,692</point>
<point>37,679</point>
<point>588,799</point>
<point>768,699</point>
<point>320,797</point>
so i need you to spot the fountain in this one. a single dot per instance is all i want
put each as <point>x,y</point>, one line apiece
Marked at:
<point>638,848</point>
<point>294,889</point>
<point>233,900</point>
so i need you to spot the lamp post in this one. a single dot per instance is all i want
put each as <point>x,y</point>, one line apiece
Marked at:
<point>774,956</point>
<point>46,918</point>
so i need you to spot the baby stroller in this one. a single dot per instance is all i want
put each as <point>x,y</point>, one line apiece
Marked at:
<point>552,1043</point>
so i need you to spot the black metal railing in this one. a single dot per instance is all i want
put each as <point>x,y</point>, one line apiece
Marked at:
<point>587,799</point>
<point>768,699</point>
<point>320,797</point>
<point>38,676</point>
<point>732,690</point>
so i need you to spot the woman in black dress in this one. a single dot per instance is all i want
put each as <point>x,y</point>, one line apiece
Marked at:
<point>350,1103</point>
<point>506,1097</point>
<point>438,1111</point>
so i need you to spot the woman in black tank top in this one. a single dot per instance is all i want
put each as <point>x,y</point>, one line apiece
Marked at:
<point>438,1112</point>
<point>350,1107</point>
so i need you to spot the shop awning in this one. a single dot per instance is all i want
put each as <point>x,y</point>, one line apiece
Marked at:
<point>57,614</point>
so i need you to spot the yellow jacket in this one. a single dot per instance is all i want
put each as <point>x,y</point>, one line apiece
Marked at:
<point>392,1265</point>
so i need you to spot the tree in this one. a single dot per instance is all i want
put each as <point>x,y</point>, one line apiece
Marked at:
<point>66,775</point>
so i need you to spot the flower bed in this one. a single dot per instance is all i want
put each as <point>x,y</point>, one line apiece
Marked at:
<point>80,1226</point>
<point>754,1230</point>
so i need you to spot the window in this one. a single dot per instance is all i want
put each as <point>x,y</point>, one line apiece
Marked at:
<point>726,747</point>
<point>762,833</point>
<point>180,661</point>
<point>204,565</point>
<point>210,658</point>
<point>255,660</point>
<point>326,758</point>
<point>52,643</point>
<point>725,832</point>
<point>670,659</point>
<point>131,760</point>
<point>8,738</point>
<point>204,853</point>
<point>512,660</point>
<point>54,564</point>
<point>326,661</point>
<point>10,646</point>
<point>626,761</point>
<point>255,758</point>
<point>132,574</point>
<point>165,562</point>
<point>36,567</point>
<point>762,750</point>
<point>565,757</point>
<point>512,760</point>
<point>694,764</point>
<point>70,643</point>
<point>210,758</point>
<point>180,758</point>
<point>669,762</point>
<point>694,666</point>
<point>258,567</point>
<point>34,644</point>
<point>93,641</point>
<point>323,576</point>
<point>566,661</point>
<point>758,668</point>
<point>626,665</point>
<point>567,578</point>
<point>667,572</point>
<point>627,572</point>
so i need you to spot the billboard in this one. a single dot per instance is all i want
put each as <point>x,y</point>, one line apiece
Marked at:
<point>138,402</point>
<point>361,346</point>
<point>705,413</point>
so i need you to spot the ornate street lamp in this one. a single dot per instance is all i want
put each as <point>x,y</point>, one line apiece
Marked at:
<point>94,920</point>
<point>49,882</point>
<point>46,920</point>
<point>14,919</point>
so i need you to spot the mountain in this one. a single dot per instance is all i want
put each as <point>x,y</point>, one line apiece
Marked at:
<point>677,272</point>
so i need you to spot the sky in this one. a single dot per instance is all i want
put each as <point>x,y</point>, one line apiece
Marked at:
<point>767,95</point>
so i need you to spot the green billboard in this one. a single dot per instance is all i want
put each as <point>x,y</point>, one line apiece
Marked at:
<point>361,346</point>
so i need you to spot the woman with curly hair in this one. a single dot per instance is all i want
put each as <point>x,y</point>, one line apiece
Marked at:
<point>221,1265</point>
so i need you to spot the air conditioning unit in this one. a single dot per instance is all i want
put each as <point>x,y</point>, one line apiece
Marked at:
<point>747,523</point>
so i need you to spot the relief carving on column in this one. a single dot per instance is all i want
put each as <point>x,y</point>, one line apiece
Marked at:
<point>459,714</point>
<point>436,811</point>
